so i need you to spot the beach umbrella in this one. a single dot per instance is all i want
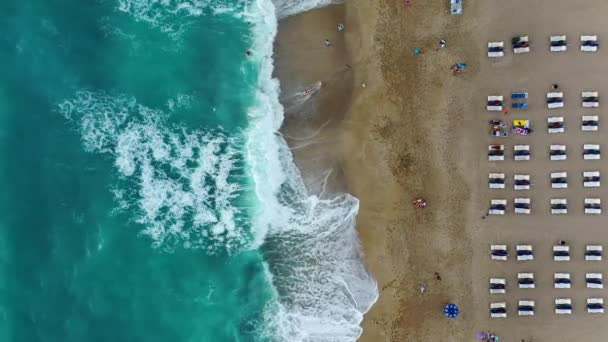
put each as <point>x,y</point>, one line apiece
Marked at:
<point>451,310</point>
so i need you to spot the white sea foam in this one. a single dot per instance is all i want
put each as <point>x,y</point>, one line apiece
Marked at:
<point>190,206</point>
<point>162,14</point>
<point>311,245</point>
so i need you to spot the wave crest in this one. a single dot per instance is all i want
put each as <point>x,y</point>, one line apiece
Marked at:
<point>182,183</point>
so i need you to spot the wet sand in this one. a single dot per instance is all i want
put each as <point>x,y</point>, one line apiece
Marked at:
<point>417,130</point>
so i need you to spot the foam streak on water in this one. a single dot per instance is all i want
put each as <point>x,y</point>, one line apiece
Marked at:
<point>184,194</point>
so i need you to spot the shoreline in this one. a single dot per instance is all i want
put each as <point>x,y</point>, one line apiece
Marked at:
<point>384,143</point>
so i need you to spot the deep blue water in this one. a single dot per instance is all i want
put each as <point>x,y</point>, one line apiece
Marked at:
<point>112,223</point>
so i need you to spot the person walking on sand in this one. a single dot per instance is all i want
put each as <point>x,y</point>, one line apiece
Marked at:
<point>417,51</point>
<point>327,42</point>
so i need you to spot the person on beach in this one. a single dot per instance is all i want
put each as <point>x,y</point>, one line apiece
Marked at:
<point>340,27</point>
<point>417,51</point>
<point>408,2</point>
<point>458,67</point>
<point>327,42</point>
<point>441,44</point>
<point>437,276</point>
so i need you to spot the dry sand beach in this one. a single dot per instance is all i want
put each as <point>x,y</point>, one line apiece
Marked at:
<point>417,130</point>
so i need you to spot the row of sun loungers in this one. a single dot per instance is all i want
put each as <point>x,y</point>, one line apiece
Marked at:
<point>560,281</point>
<point>559,206</point>
<point>555,124</point>
<point>589,99</point>
<point>560,253</point>
<point>590,152</point>
<point>520,182</point>
<point>563,306</point>
<point>496,152</point>
<point>557,43</point>
<point>559,180</point>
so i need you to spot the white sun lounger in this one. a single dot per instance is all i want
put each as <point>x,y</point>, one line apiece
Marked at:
<point>522,205</point>
<point>561,280</point>
<point>589,43</point>
<point>521,182</point>
<point>497,207</point>
<point>591,99</point>
<point>557,152</point>
<point>496,180</point>
<point>559,180</point>
<point>594,280</point>
<point>559,206</point>
<point>555,100</point>
<point>496,154</point>
<point>590,123</point>
<point>561,253</point>
<point>525,308</point>
<point>595,305</point>
<point>498,252</point>
<point>524,253</point>
<point>555,124</point>
<point>563,306</point>
<point>498,310</point>
<point>521,152</point>
<point>591,151</point>
<point>523,49</point>
<point>496,49</point>
<point>591,179</point>
<point>498,285</point>
<point>558,43</point>
<point>525,280</point>
<point>593,253</point>
<point>494,103</point>
<point>593,206</point>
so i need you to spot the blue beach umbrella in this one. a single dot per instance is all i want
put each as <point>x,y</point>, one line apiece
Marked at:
<point>451,310</point>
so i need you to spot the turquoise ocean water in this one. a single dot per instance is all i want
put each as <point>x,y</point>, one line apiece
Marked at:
<point>147,195</point>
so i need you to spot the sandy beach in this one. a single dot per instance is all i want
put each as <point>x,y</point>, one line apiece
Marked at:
<point>392,136</point>
<point>388,127</point>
